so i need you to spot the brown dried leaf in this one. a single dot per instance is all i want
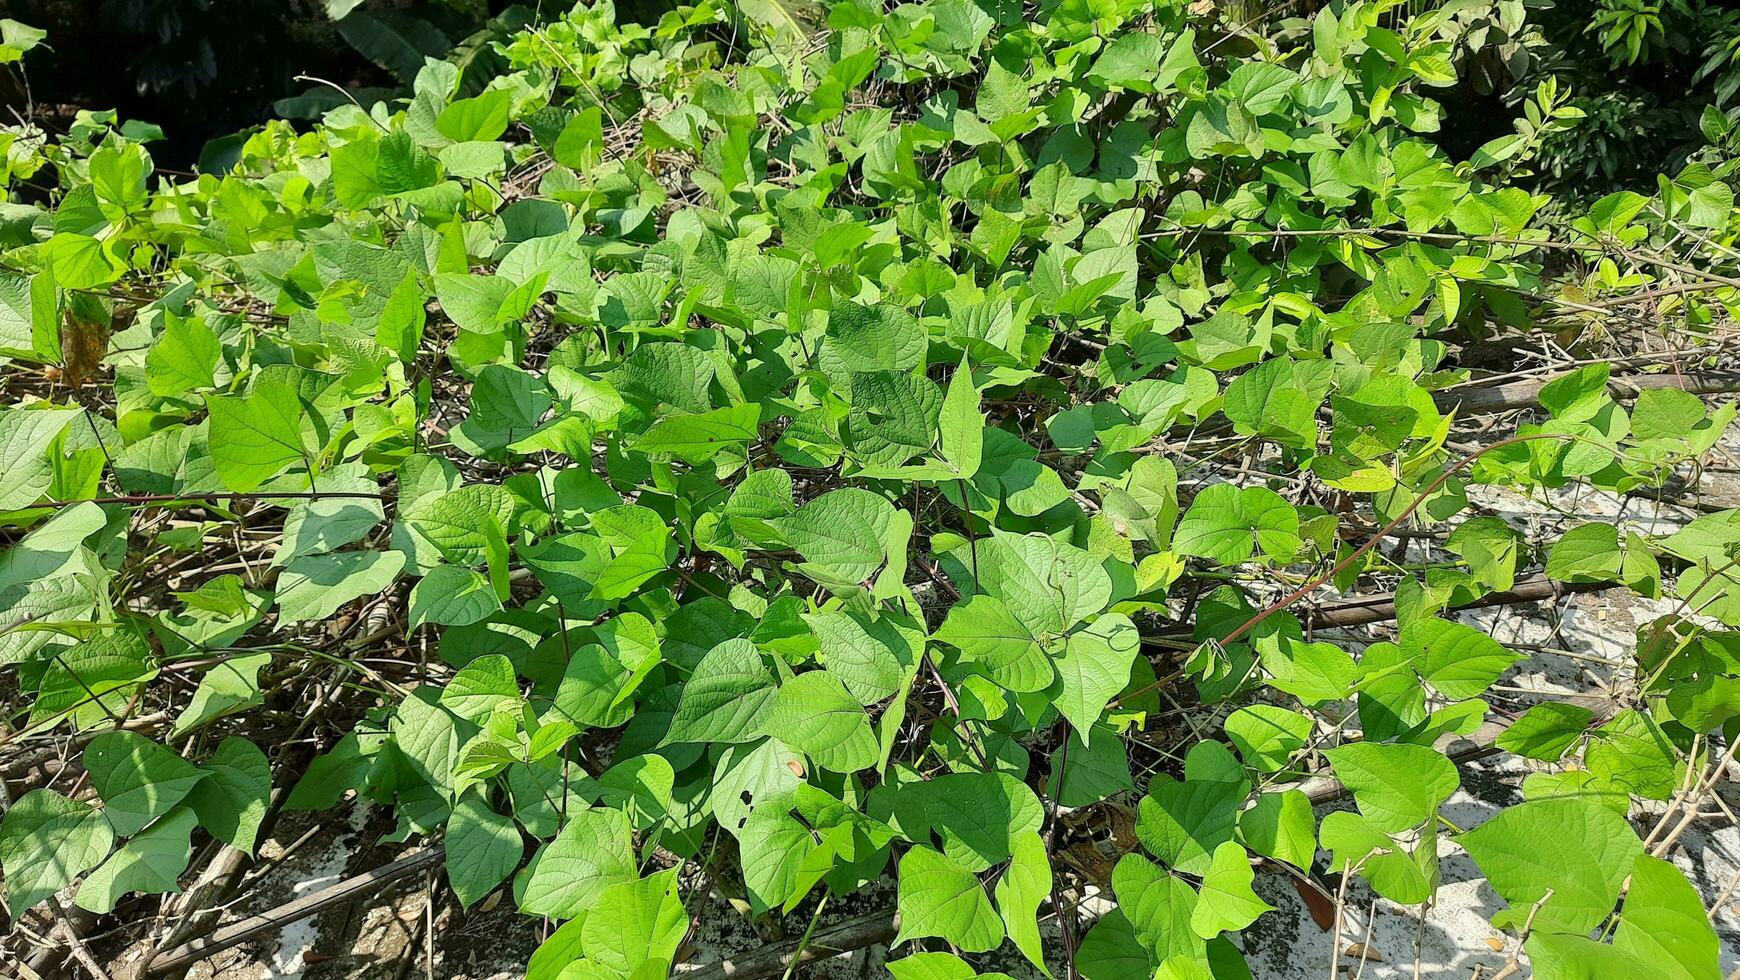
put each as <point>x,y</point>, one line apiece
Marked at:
<point>1320,905</point>
<point>1086,859</point>
<point>1360,951</point>
<point>84,342</point>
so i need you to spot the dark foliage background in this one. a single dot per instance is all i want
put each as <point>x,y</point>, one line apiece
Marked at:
<point>200,69</point>
<point>1659,83</point>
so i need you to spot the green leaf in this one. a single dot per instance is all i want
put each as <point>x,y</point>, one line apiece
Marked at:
<point>1226,524</point>
<point>773,847</point>
<point>318,586</point>
<point>1094,773</point>
<point>1577,396</point>
<point>477,304</point>
<point>1315,673</point>
<point>1226,902</point>
<point>254,437</point>
<point>1221,128</point>
<point>1279,400</point>
<point>873,657</point>
<point>1030,488</point>
<point>1664,923</point>
<point>1179,968</point>
<point>670,374</point>
<point>79,261</point>
<point>97,676</point>
<point>474,160</point>
<point>484,117</point>
<point>232,799</point>
<point>1129,61</point>
<point>893,418</point>
<point>25,435</point>
<point>563,948</point>
<point>1024,884</point>
<point>1261,87</point>
<point>1282,826</point>
<point>1495,151</point>
<point>815,714</point>
<point>1632,751</point>
<point>640,548</point>
<point>962,425</point>
<point>138,779</point>
<point>635,924</point>
<point>29,316</point>
<point>1267,736</point>
<point>331,774</point>
<point>1406,876</point>
<point>987,633</point>
<point>463,524</point>
<point>932,966</point>
<point>1586,553</point>
<point>698,438</point>
<point>452,596</point>
<point>726,698</point>
<point>47,840</point>
<point>1578,783</point>
<point>184,360</point>
<point>1182,823</point>
<point>871,338</point>
<point>569,565</point>
<point>73,599</point>
<point>590,854</point>
<point>940,898</point>
<point>1212,761</point>
<point>840,533</point>
<point>1397,786</point>
<point>428,736</point>
<point>329,523</point>
<point>778,15</point>
<point>977,815</point>
<point>151,862</point>
<point>483,848</point>
<point>400,327</point>
<point>1555,955</point>
<point>1159,906</point>
<point>756,774</point>
<point>1111,951</point>
<point>1665,413</point>
<point>1546,731</point>
<point>227,687</point>
<point>581,138</point>
<point>639,786</point>
<point>1489,547</point>
<point>1578,850</point>
<point>1048,585</point>
<point>480,687</point>
<point>1094,667</point>
<point>590,693</point>
<point>17,38</point>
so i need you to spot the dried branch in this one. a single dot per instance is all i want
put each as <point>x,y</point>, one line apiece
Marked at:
<point>348,890</point>
<point>1527,394</point>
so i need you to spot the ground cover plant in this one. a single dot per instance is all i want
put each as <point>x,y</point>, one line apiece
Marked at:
<point>817,452</point>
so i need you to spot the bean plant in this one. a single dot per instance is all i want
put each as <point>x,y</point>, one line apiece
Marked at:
<point>822,452</point>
